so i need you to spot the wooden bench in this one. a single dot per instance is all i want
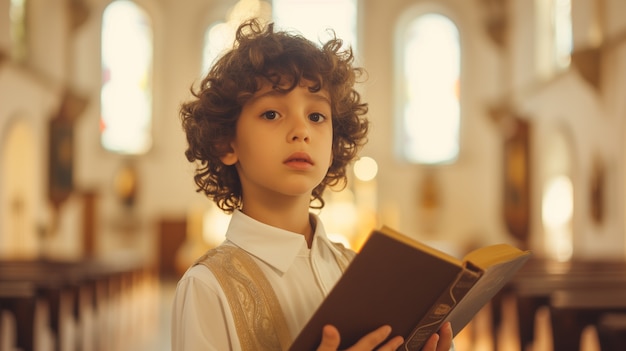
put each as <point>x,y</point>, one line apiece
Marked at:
<point>611,329</point>
<point>534,284</point>
<point>20,299</point>
<point>573,310</point>
<point>67,288</point>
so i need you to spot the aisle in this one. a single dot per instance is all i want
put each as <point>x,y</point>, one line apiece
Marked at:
<point>161,340</point>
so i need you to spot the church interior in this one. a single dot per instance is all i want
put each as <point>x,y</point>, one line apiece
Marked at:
<point>99,215</point>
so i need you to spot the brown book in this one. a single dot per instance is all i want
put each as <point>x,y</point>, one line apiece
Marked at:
<point>412,287</point>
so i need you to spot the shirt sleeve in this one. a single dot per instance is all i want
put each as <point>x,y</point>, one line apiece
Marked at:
<point>200,314</point>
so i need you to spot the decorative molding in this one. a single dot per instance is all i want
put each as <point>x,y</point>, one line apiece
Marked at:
<point>78,12</point>
<point>499,112</point>
<point>496,20</point>
<point>615,40</point>
<point>597,190</point>
<point>72,106</point>
<point>588,63</point>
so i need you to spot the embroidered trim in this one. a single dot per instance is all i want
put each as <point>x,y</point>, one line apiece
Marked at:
<point>259,319</point>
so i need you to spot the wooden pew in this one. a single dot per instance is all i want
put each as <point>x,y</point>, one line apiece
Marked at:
<point>534,284</point>
<point>573,310</point>
<point>20,299</point>
<point>53,282</point>
<point>611,329</point>
<point>62,285</point>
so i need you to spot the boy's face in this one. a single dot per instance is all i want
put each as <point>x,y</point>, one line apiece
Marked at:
<point>283,142</point>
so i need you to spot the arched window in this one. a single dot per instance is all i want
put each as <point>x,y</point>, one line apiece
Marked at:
<point>554,41</point>
<point>217,38</point>
<point>17,17</point>
<point>430,68</point>
<point>562,31</point>
<point>313,18</point>
<point>126,94</point>
<point>220,35</point>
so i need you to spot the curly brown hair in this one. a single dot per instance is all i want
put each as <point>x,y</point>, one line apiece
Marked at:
<point>261,52</point>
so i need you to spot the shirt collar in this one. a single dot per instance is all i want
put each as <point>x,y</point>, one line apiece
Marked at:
<point>277,247</point>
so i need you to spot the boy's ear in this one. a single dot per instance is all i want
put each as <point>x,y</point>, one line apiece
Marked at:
<point>230,158</point>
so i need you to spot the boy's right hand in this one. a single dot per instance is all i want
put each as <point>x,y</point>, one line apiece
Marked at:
<point>331,339</point>
<point>441,341</point>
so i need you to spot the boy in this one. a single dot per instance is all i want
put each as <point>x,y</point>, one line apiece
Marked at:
<point>274,123</point>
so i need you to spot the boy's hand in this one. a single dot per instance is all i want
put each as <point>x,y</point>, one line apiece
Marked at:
<point>441,341</point>
<point>331,339</point>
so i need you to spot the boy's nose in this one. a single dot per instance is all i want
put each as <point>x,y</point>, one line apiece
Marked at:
<point>299,131</point>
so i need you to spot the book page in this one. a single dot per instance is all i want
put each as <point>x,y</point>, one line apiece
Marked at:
<point>492,281</point>
<point>487,256</point>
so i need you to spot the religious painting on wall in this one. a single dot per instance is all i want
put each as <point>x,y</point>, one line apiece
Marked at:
<point>60,176</point>
<point>61,147</point>
<point>517,178</point>
<point>597,190</point>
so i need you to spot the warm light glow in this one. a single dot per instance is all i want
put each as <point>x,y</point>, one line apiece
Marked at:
<point>340,213</point>
<point>214,225</point>
<point>557,212</point>
<point>558,202</point>
<point>365,169</point>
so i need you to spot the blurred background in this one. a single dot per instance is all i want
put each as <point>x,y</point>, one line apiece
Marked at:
<point>491,121</point>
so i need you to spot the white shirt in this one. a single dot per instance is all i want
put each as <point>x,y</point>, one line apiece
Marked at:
<point>301,278</point>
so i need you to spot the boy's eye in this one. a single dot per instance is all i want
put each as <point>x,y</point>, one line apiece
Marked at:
<point>317,117</point>
<point>270,115</point>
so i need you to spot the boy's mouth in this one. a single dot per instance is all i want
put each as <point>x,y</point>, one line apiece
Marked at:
<point>299,158</point>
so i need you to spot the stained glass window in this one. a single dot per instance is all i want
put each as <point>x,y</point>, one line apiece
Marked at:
<point>313,17</point>
<point>17,17</point>
<point>554,40</point>
<point>428,132</point>
<point>126,95</point>
<point>562,21</point>
<point>220,35</point>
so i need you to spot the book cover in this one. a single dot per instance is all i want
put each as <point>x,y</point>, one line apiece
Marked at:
<point>410,286</point>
